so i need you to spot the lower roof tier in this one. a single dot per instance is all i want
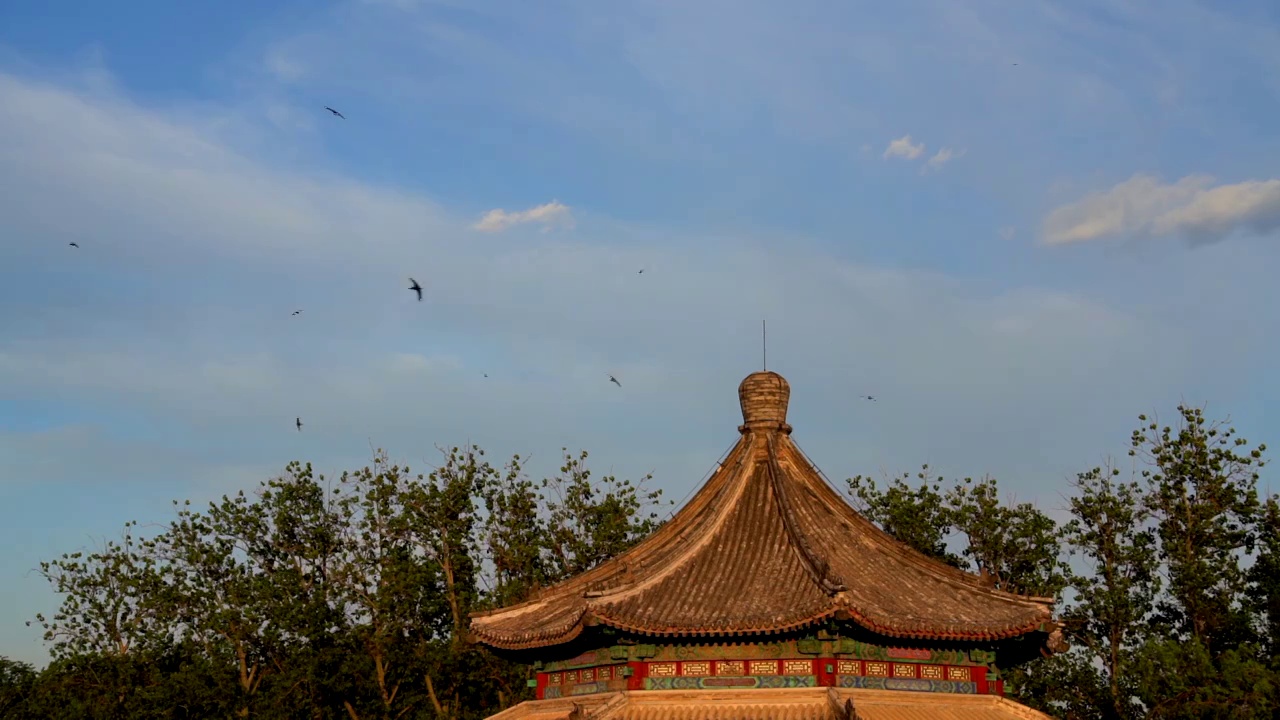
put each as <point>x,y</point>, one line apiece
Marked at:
<point>781,704</point>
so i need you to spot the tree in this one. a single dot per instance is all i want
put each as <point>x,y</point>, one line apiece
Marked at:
<point>382,583</point>
<point>1202,487</point>
<point>590,522</point>
<point>514,533</point>
<point>310,600</point>
<point>1264,581</point>
<point>1204,656</point>
<point>17,682</point>
<point>251,579</point>
<point>109,599</point>
<point>1107,621</point>
<point>1016,546</point>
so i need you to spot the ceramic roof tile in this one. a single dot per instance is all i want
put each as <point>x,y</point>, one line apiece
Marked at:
<point>774,704</point>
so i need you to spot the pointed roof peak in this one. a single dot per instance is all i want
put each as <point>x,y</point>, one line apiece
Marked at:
<point>764,397</point>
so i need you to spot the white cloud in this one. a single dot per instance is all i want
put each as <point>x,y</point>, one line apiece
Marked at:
<point>548,215</point>
<point>942,157</point>
<point>1193,208</point>
<point>903,148</point>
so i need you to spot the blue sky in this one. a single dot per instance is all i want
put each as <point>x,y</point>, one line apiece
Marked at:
<point>1047,250</point>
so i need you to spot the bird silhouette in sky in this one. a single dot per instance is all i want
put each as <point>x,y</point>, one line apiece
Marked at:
<point>74,245</point>
<point>297,312</point>
<point>298,422</point>
<point>335,112</point>
<point>641,271</point>
<point>868,397</point>
<point>416,288</point>
<point>614,380</point>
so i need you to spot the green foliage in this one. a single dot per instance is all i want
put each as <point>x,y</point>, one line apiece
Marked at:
<point>592,521</point>
<point>1016,545</point>
<point>111,601</point>
<point>1202,486</point>
<point>1263,590</point>
<point>315,599</point>
<point>1166,615</point>
<point>17,683</point>
<point>1107,621</point>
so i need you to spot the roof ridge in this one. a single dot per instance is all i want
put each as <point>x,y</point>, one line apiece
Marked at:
<point>905,551</point>
<point>727,506</point>
<point>819,567</point>
<point>672,530</point>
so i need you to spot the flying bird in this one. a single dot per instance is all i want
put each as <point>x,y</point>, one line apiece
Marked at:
<point>641,271</point>
<point>335,112</point>
<point>416,288</point>
<point>298,422</point>
<point>868,397</point>
<point>74,245</point>
<point>297,312</point>
<point>614,380</point>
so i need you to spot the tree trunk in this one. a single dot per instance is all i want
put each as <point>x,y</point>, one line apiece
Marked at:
<point>435,699</point>
<point>451,587</point>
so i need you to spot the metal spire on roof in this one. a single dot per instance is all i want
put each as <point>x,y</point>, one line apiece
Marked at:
<point>764,345</point>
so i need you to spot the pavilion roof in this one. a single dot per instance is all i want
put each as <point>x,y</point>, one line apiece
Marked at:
<point>767,546</point>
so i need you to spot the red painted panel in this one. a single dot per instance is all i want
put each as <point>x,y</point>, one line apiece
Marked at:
<point>639,671</point>
<point>825,679</point>
<point>980,677</point>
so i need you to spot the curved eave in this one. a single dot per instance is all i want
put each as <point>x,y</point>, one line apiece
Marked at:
<point>888,629</point>
<point>924,632</point>
<point>546,637</point>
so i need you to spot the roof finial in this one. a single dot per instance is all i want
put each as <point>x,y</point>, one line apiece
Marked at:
<point>764,345</point>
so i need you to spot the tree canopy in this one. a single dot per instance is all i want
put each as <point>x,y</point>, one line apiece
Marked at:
<point>1169,579</point>
<point>349,597</point>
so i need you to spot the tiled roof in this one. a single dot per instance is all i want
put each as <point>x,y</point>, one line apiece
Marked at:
<point>780,704</point>
<point>767,546</point>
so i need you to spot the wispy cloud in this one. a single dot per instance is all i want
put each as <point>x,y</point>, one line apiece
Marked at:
<point>238,363</point>
<point>283,66</point>
<point>1194,208</point>
<point>548,215</point>
<point>903,148</point>
<point>940,158</point>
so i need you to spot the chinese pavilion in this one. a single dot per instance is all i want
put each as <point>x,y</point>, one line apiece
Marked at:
<point>769,596</point>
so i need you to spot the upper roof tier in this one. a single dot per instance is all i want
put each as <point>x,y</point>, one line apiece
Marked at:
<point>767,546</point>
